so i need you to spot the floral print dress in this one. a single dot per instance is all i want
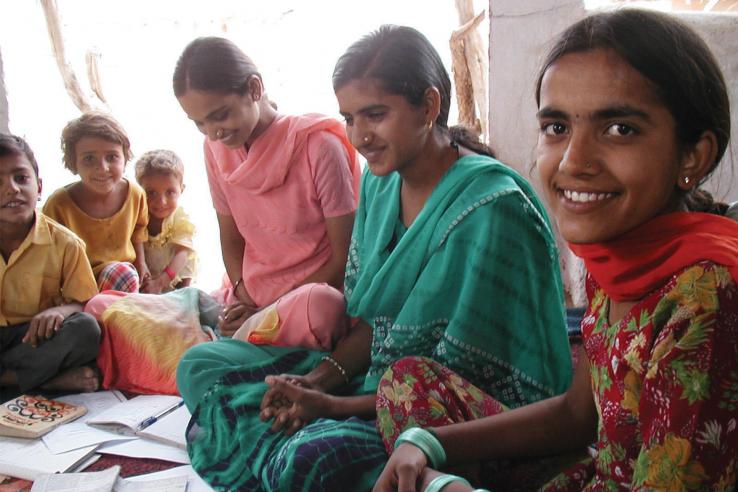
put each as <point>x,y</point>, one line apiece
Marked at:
<point>665,384</point>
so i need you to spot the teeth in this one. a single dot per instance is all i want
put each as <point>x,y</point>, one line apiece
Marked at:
<point>584,197</point>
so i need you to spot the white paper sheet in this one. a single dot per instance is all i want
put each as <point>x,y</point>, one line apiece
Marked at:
<point>107,481</point>
<point>96,402</point>
<point>78,434</point>
<point>196,484</point>
<point>29,458</point>
<point>102,481</point>
<point>146,448</point>
<point>173,484</point>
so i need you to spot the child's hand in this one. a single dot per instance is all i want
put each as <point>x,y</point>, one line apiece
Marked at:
<point>157,285</point>
<point>144,274</point>
<point>43,326</point>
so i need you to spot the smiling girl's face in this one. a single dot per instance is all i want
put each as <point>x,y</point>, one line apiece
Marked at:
<point>230,118</point>
<point>385,128</point>
<point>607,152</point>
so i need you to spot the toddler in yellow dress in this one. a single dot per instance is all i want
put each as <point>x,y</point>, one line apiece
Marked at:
<point>170,253</point>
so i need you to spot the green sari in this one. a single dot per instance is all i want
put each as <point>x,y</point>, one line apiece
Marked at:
<point>473,283</point>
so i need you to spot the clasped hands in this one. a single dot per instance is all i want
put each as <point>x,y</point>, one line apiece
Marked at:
<point>292,402</point>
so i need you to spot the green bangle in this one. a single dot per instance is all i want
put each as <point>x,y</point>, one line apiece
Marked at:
<point>441,481</point>
<point>427,443</point>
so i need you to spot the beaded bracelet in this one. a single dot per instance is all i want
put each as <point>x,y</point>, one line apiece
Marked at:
<point>338,366</point>
<point>441,481</point>
<point>427,443</point>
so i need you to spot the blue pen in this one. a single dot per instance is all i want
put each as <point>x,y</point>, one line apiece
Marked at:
<point>147,422</point>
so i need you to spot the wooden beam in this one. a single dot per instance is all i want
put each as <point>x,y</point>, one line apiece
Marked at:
<point>65,69</point>
<point>470,63</point>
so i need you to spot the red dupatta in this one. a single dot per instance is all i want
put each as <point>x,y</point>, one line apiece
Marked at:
<point>643,259</point>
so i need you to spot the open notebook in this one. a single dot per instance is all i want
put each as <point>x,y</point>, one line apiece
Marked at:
<point>136,414</point>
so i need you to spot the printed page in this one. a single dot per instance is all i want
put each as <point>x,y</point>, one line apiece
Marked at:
<point>78,434</point>
<point>146,448</point>
<point>170,429</point>
<point>174,484</point>
<point>133,412</point>
<point>196,484</point>
<point>96,402</point>
<point>102,481</point>
<point>28,459</point>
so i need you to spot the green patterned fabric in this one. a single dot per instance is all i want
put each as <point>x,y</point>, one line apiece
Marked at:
<point>473,283</point>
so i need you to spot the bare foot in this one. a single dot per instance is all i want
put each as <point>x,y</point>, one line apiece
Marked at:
<point>83,379</point>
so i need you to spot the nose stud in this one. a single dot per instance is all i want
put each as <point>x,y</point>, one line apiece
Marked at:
<point>587,165</point>
<point>366,139</point>
<point>219,134</point>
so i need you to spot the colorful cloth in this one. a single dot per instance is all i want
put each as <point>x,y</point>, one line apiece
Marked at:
<point>665,383</point>
<point>109,239</point>
<point>118,276</point>
<point>474,280</point>
<point>297,173</point>
<point>176,231</point>
<point>145,335</point>
<point>420,392</point>
<point>480,224</point>
<point>312,316</point>
<point>48,269</point>
<point>644,258</point>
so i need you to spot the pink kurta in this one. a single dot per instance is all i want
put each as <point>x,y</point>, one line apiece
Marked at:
<point>297,173</point>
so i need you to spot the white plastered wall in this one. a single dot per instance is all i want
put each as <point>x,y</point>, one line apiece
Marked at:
<point>520,35</point>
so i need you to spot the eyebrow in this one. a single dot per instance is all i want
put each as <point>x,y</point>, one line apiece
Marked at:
<point>216,110</point>
<point>620,111</point>
<point>366,109</point>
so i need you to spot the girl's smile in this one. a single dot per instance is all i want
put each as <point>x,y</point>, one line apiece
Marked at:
<point>100,164</point>
<point>607,150</point>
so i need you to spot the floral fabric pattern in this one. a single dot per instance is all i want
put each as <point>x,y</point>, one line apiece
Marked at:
<point>420,392</point>
<point>665,383</point>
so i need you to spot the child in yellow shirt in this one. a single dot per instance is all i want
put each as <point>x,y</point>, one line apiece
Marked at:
<point>103,208</point>
<point>170,253</point>
<point>45,277</point>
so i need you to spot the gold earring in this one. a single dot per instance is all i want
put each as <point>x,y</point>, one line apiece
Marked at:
<point>686,180</point>
<point>430,125</point>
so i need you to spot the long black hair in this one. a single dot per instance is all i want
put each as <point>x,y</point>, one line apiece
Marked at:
<point>213,64</point>
<point>405,63</point>
<point>678,63</point>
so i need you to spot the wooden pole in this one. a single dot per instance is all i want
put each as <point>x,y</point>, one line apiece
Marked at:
<point>470,67</point>
<point>57,43</point>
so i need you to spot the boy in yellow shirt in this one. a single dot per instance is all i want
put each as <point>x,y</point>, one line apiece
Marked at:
<point>46,341</point>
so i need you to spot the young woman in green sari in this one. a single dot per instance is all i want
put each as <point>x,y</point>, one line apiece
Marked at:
<point>452,257</point>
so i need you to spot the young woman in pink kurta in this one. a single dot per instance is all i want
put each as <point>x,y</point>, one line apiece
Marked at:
<point>283,187</point>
